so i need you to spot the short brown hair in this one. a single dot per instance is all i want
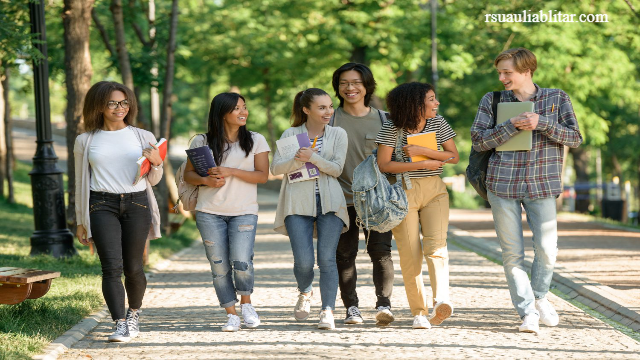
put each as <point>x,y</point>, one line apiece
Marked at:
<point>523,59</point>
<point>96,102</point>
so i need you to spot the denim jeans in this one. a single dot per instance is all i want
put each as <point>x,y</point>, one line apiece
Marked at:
<point>120,225</point>
<point>228,242</point>
<point>541,217</point>
<point>300,229</point>
<point>379,250</point>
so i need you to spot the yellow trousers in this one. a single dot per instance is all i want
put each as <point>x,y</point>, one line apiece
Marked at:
<point>429,212</point>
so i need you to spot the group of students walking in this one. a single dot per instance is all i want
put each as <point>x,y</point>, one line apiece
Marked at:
<point>119,217</point>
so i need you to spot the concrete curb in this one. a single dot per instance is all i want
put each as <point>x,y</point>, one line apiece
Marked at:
<point>81,329</point>
<point>599,297</point>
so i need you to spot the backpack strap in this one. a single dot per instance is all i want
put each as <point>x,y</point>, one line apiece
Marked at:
<point>398,151</point>
<point>494,107</point>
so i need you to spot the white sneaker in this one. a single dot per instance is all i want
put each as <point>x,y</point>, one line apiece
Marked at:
<point>421,322</point>
<point>122,332</point>
<point>384,316</point>
<point>326,320</point>
<point>441,311</point>
<point>548,314</point>
<point>303,307</point>
<point>530,324</point>
<point>233,323</point>
<point>250,316</point>
<point>133,322</point>
<point>353,316</point>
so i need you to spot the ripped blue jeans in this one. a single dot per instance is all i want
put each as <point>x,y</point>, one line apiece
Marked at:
<point>228,242</point>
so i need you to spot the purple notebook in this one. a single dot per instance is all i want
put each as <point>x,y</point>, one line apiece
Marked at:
<point>287,148</point>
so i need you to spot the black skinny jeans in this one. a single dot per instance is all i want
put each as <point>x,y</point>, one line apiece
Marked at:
<point>120,225</point>
<point>379,249</point>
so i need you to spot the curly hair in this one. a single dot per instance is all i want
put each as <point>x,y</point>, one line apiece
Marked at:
<point>406,104</point>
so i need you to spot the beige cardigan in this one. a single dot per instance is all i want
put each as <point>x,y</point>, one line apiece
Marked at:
<point>297,198</point>
<point>83,182</point>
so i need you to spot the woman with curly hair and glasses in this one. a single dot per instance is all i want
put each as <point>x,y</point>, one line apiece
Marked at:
<point>115,214</point>
<point>413,110</point>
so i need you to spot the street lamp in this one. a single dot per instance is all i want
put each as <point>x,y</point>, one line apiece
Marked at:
<point>51,235</point>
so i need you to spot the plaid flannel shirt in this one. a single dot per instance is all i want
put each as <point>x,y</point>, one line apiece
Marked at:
<point>535,173</point>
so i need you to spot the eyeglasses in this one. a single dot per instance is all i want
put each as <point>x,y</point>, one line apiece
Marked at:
<point>346,84</point>
<point>114,104</point>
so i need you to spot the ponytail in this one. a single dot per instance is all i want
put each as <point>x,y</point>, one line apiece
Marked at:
<point>302,100</point>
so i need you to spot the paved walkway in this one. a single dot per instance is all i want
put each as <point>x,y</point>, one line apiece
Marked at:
<point>599,253</point>
<point>181,318</point>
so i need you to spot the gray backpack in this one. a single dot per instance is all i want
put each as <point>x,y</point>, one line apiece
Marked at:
<point>379,205</point>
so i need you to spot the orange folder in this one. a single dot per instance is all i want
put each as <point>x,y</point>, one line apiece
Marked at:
<point>427,140</point>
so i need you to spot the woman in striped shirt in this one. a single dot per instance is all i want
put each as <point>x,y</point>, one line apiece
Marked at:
<point>413,110</point>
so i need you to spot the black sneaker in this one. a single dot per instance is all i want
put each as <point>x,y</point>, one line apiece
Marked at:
<point>122,332</point>
<point>133,321</point>
<point>353,316</point>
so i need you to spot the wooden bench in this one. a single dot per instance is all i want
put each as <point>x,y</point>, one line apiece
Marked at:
<point>17,285</point>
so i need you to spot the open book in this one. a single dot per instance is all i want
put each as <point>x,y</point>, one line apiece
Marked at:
<point>144,165</point>
<point>288,147</point>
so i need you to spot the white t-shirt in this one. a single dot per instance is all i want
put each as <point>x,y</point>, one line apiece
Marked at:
<point>112,157</point>
<point>236,196</point>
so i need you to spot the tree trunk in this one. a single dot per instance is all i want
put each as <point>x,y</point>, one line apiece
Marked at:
<point>581,166</point>
<point>76,18</point>
<point>142,121</point>
<point>359,55</point>
<point>121,45</point>
<point>165,118</point>
<point>3,146</point>
<point>154,96</point>
<point>271,132</point>
<point>8,128</point>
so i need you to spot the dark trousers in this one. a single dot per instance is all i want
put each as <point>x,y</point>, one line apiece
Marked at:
<point>379,249</point>
<point>120,225</point>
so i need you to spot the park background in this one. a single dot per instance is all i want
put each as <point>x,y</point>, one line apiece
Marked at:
<point>178,54</point>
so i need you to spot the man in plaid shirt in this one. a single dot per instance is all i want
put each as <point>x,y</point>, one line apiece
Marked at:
<point>529,179</point>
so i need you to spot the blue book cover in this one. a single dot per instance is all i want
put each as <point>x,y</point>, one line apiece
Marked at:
<point>202,159</point>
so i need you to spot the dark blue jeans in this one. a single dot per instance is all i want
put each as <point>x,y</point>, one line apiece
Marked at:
<point>120,225</point>
<point>300,229</point>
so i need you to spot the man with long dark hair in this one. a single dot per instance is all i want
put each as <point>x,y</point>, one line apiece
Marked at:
<point>354,86</point>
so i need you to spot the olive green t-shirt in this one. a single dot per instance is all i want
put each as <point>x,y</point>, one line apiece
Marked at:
<point>361,132</point>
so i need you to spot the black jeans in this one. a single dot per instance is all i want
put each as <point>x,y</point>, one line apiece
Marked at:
<point>379,249</point>
<point>120,225</point>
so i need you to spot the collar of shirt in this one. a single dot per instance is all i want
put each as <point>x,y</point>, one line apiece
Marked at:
<point>535,97</point>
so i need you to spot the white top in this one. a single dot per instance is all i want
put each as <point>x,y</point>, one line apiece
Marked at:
<point>112,157</point>
<point>236,196</point>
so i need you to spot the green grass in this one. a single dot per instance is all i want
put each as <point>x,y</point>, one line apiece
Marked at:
<point>26,328</point>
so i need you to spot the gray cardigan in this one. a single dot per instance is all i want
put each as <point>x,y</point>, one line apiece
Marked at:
<point>83,182</point>
<point>330,163</point>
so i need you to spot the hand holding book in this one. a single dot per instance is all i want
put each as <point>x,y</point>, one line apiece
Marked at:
<point>153,156</point>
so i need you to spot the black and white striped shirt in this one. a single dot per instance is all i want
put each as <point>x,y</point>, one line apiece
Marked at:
<point>388,134</point>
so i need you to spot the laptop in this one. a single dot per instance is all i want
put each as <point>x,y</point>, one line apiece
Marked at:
<point>523,141</point>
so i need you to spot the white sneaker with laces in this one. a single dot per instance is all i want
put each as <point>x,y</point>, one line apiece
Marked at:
<point>133,321</point>
<point>441,311</point>
<point>233,323</point>
<point>530,324</point>
<point>421,322</point>
<point>326,320</point>
<point>384,316</point>
<point>353,316</point>
<point>122,332</point>
<point>548,314</point>
<point>303,307</point>
<point>250,316</point>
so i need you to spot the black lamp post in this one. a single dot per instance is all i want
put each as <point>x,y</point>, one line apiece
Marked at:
<point>51,235</point>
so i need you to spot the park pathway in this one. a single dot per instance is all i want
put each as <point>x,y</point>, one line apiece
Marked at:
<point>181,318</point>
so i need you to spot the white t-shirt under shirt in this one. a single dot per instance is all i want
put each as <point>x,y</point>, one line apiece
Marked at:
<point>236,196</point>
<point>112,157</point>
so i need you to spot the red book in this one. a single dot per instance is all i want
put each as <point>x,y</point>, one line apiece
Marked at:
<point>144,165</point>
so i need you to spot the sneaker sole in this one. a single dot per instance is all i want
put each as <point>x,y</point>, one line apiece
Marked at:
<point>443,312</point>
<point>229,329</point>
<point>384,319</point>
<point>133,335</point>
<point>252,325</point>
<point>528,331</point>
<point>326,327</point>
<point>421,327</point>
<point>353,321</point>
<point>300,318</point>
